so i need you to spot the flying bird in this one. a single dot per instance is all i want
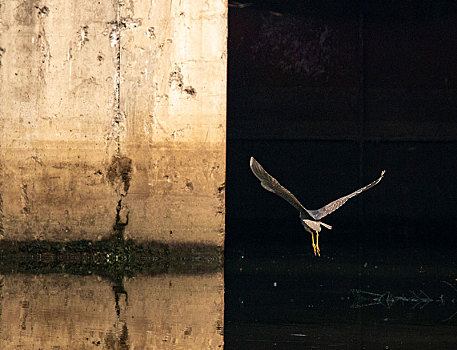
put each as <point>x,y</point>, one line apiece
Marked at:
<point>310,219</point>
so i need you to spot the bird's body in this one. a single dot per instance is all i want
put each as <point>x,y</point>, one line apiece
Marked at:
<point>310,219</point>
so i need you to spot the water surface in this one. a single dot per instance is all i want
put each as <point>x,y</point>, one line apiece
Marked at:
<point>390,299</point>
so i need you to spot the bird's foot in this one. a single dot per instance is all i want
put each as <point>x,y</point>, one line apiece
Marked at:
<point>316,250</point>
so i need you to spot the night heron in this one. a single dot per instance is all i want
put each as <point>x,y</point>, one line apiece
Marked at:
<point>309,218</point>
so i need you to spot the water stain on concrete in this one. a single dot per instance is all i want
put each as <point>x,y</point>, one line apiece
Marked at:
<point>24,12</point>
<point>120,170</point>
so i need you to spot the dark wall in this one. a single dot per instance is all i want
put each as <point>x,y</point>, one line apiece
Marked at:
<point>327,94</point>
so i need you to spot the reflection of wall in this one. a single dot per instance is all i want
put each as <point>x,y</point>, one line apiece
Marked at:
<point>55,310</point>
<point>73,312</point>
<point>176,312</point>
<point>110,106</point>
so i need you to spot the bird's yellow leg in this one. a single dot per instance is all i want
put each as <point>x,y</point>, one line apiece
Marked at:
<point>317,244</point>
<point>314,246</point>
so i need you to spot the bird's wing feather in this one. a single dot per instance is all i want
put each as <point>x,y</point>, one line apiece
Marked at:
<point>331,207</point>
<point>269,183</point>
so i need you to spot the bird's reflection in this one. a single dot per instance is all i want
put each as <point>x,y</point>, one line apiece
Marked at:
<point>415,299</point>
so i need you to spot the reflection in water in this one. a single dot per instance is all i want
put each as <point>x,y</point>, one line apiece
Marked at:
<point>363,299</point>
<point>417,300</point>
<point>119,338</point>
<point>62,311</point>
<point>297,302</point>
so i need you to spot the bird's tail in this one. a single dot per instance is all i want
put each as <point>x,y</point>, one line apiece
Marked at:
<point>325,225</point>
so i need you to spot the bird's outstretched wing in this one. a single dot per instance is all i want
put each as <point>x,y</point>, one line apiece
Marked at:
<point>269,183</point>
<point>331,207</point>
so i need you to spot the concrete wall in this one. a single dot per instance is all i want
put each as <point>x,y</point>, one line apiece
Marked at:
<point>113,111</point>
<point>75,312</point>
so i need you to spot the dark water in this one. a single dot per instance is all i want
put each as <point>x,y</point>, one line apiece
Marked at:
<point>371,299</point>
<point>264,297</point>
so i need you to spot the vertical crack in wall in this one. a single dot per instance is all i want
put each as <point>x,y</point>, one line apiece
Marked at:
<point>2,230</point>
<point>26,203</point>
<point>119,167</point>
<point>115,37</point>
<point>43,44</point>
<point>114,30</point>
<point>25,200</point>
<point>116,126</point>
<point>119,116</point>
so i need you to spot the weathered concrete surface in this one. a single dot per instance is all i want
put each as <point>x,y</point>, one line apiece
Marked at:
<point>173,75</point>
<point>113,111</point>
<point>74,312</point>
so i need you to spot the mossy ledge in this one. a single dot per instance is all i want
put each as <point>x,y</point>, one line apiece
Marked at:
<point>111,258</point>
